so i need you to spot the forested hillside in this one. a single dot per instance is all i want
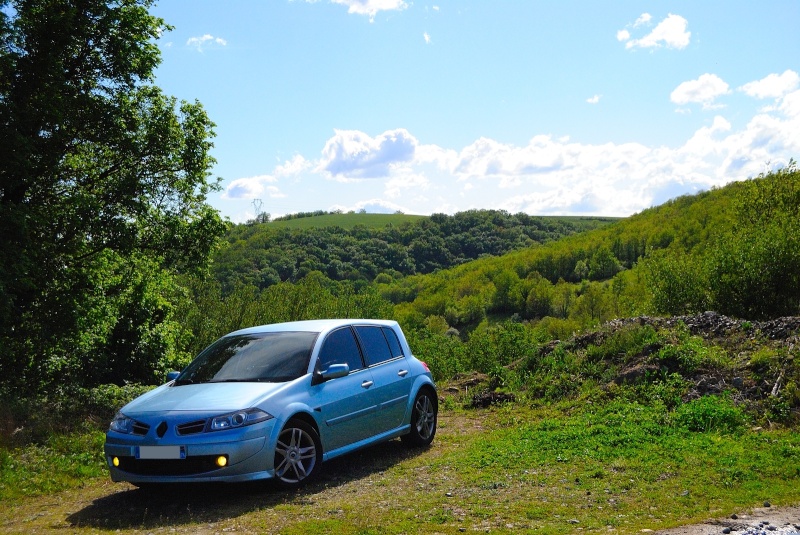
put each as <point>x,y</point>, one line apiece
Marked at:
<point>359,247</point>
<point>733,249</point>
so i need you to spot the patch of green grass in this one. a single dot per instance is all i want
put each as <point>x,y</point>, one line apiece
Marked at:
<point>711,413</point>
<point>689,353</point>
<point>625,466</point>
<point>510,469</point>
<point>63,461</point>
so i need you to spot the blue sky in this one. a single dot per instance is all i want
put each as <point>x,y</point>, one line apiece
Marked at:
<point>548,108</point>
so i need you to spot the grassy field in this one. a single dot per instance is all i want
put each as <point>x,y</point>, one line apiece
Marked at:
<point>576,448</point>
<point>507,469</point>
<point>347,221</point>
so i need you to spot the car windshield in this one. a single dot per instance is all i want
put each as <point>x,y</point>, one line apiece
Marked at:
<point>260,357</point>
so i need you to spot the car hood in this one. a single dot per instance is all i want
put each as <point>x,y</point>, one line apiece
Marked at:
<point>206,397</point>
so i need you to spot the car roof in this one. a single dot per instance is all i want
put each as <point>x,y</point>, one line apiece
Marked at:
<point>317,326</point>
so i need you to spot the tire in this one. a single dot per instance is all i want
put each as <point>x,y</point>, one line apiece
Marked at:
<point>423,419</point>
<point>298,454</point>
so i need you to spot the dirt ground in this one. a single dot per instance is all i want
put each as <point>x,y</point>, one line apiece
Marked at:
<point>785,521</point>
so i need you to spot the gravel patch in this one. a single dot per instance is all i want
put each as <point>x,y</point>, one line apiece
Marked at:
<point>765,520</point>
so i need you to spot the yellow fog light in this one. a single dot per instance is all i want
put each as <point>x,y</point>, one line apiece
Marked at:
<point>115,461</point>
<point>222,461</point>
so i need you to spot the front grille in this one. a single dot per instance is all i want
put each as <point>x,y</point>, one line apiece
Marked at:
<point>169,467</point>
<point>140,428</point>
<point>191,428</point>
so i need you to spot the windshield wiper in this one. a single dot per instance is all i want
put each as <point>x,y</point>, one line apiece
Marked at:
<point>180,382</point>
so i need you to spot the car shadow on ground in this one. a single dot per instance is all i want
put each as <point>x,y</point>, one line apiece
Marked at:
<point>208,503</point>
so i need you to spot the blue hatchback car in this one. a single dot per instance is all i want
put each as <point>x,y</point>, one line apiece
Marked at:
<point>276,401</point>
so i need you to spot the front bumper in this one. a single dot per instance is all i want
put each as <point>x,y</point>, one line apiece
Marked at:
<point>248,458</point>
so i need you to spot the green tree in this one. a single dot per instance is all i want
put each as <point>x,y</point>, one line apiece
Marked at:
<point>591,306</point>
<point>754,270</point>
<point>508,295</point>
<point>102,175</point>
<point>676,281</point>
<point>540,297</point>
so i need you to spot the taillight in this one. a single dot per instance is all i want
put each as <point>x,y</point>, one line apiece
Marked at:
<point>425,365</point>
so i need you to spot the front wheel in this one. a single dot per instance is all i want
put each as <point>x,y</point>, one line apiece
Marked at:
<point>423,419</point>
<point>298,454</point>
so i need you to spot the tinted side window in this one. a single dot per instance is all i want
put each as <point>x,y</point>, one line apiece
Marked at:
<point>376,348</point>
<point>340,348</point>
<point>394,343</point>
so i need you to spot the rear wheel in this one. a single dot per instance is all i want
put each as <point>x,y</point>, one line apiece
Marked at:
<point>423,419</point>
<point>298,454</point>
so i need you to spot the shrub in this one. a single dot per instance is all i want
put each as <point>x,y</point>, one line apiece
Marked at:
<point>711,413</point>
<point>689,353</point>
<point>623,344</point>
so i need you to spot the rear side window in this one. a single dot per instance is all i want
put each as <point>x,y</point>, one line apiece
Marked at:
<point>340,348</point>
<point>394,343</point>
<point>376,347</point>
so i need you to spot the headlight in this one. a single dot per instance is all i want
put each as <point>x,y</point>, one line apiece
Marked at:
<point>239,419</point>
<point>121,424</point>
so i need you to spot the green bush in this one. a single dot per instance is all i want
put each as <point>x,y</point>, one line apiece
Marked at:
<point>688,354</point>
<point>623,344</point>
<point>711,413</point>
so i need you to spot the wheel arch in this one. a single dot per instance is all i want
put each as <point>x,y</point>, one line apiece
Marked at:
<point>304,417</point>
<point>422,384</point>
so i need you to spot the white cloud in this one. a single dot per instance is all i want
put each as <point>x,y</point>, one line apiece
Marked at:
<point>371,7</point>
<point>405,181</point>
<point>354,154</point>
<point>773,86</point>
<point>251,188</point>
<point>427,38</point>
<point>643,19</point>
<point>706,140</point>
<point>293,167</point>
<point>201,43</point>
<point>593,100</point>
<point>790,105</point>
<point>486,157</point>
<point>671,32</point>
<point>704,90</point>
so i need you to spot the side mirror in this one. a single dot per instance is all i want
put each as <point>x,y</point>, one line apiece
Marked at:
<point>171,376</point>
<point>334,371</point>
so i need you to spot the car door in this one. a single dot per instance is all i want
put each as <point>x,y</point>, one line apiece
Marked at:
<point>390,373</point>
<point>345,405</point>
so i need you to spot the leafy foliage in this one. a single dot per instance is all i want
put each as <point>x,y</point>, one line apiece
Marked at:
<point>208,314</point>
<point>102,197</point>
<point>711,413</point>
<point>751,269</point>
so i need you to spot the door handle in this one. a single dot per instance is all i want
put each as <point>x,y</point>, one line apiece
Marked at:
<point>366,384</point>
<point>402,373</point>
